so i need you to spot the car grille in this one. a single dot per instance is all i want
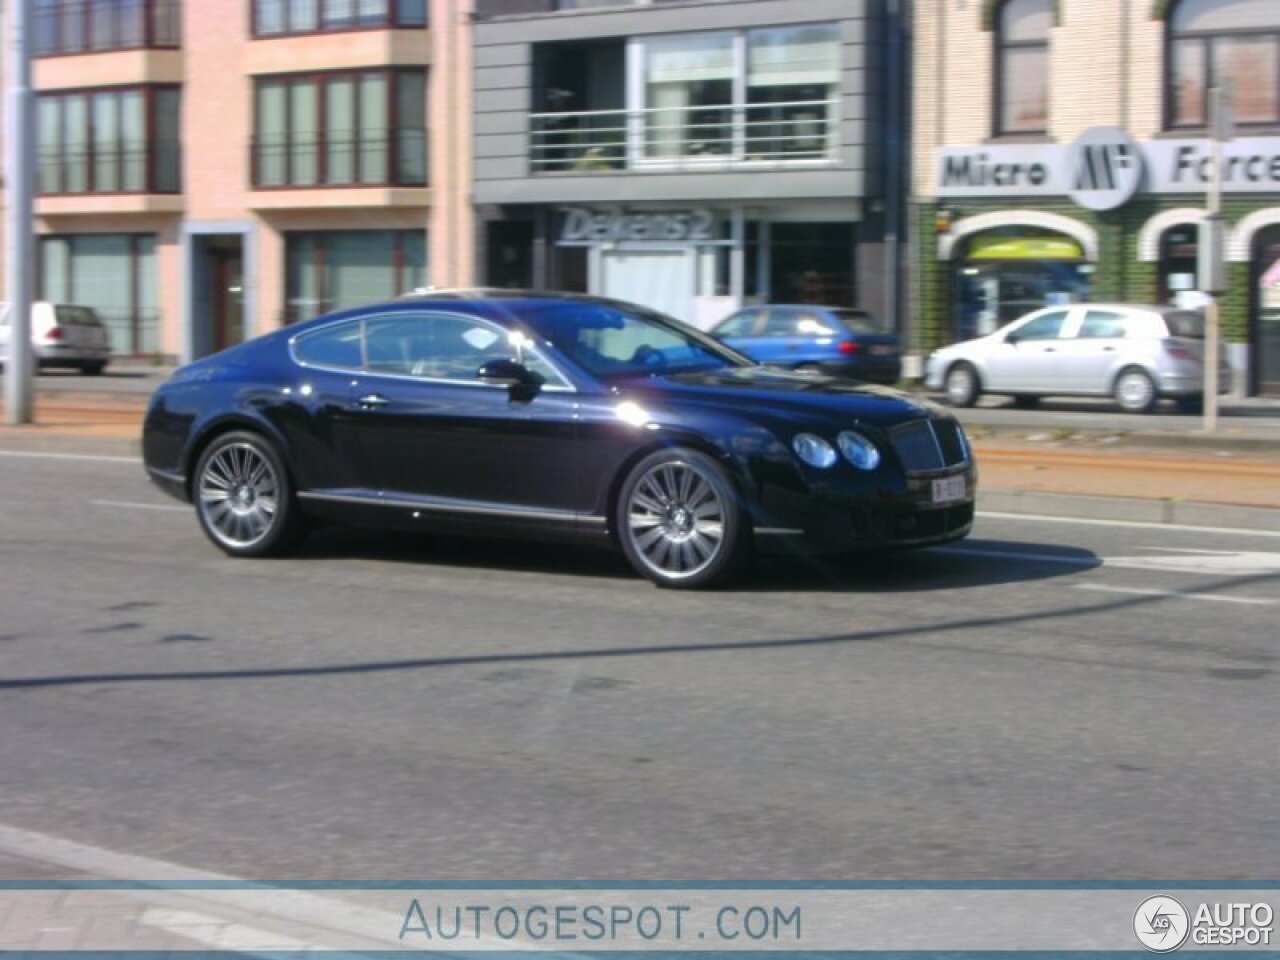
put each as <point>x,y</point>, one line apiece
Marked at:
<point>925,445</point>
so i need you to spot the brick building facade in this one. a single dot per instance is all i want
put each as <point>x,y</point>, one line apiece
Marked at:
<point>1004,92</point>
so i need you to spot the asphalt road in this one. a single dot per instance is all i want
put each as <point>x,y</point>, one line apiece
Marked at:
<point>1047,700</point>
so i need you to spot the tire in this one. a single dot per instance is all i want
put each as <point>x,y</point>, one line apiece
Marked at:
<point>1191,405</point>
<point>244,497</point>
<point>962,385</point>
<point>1026,401</point>
<point>1135,391</point>
<point>93,369</point>
<point>680,522</point>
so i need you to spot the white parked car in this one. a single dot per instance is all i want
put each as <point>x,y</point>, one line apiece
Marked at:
<point>1136,354</point>
<point>62,335</point>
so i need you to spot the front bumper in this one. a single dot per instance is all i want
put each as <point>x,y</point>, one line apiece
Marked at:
<point>832,521</point>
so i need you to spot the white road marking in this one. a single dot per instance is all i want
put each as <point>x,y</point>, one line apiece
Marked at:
<point>1245,563</point>
<point>1133,524</point>
<point>90,457</point>
<point>130,505</point>
<point>1180,594</point>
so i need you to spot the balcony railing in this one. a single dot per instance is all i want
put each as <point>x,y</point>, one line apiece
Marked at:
<point>390,158</point>
<point>115,168</point>
<point>596,141</point>
<point>90,26</point>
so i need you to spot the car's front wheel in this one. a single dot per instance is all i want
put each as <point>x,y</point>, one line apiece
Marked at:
<point>962,385</point>
<point>680,522</point>
<point>244,498</point>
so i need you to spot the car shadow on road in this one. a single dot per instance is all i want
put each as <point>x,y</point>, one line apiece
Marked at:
<point>968,564</point>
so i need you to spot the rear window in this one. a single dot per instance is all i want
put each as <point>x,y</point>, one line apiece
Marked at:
<point>1185,323</point>
<point>75,316</point>
<point>857,321</point>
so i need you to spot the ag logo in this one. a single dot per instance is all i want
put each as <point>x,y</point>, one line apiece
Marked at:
<point>1106,168</point>
<point>1161,924</point>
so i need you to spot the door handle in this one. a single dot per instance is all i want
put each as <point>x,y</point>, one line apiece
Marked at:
<point>371,401</point>
<point>1050,349</point>
<point>1108,349</point>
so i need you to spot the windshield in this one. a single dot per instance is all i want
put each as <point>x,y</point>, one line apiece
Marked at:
<point>612,341</point>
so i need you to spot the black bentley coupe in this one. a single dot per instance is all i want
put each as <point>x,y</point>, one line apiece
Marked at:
<point>550,415</point>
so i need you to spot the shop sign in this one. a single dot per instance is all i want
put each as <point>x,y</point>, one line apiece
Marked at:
<point>1104,167</point>
<point>586,225</point>
<point>987,247</point>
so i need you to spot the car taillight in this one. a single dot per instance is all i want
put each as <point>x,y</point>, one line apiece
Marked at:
<point>55,333</point>
<point>848,348</point>
<point>1178,351</point>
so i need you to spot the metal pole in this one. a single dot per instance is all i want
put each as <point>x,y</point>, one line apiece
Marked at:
<point>19,167</point>
<point>1214,215</point>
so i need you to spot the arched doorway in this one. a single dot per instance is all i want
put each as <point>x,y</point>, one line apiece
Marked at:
<point>1265,335</point>
<point>1001,273</point>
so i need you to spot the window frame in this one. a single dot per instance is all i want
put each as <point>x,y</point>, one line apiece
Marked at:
<point>998,87</point>
<point>1206,40</point>
<point>152,10</point>
<point>150,145</point>
<point>320,262</point>
<point>392,21</point>
<point>565,386</point>
<point>319,81</point>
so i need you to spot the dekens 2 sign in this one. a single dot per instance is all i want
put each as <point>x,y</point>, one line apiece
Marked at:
<point>1103,168</point>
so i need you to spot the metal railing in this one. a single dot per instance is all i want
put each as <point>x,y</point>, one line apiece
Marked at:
<point>594,141</point>
<point>88,26</point>
<point>115,168</point>
<point>396,158</point>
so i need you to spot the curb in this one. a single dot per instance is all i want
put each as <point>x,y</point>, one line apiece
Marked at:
<point>1187,513</point>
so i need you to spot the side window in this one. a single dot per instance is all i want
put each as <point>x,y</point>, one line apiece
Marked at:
<point>1044,327</point>
<point>1103,324</point>
<point>741,324</point>
<point>797,323</point>
<point>336,346</point>
<point>446,347</point>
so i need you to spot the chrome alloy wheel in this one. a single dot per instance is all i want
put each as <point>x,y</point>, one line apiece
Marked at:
<point>238,496</point>
<point>1135,392</point>
<point>676,520</point>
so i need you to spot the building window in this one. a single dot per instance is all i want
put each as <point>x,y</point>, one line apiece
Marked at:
<point>769,95</point>
<point>365,127</point>
<point>1022,66</point>
<point>336,269</point>
<point>1235,42</point>
<point>91,26</point>
<point>115,273</point>
<point>273,18</point>
<point>113,140</point>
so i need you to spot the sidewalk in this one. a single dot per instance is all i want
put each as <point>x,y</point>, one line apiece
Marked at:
<point>1157,474</point>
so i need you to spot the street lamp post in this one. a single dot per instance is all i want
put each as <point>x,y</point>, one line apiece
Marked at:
<point>18,183</point>
<point>1212,268</point>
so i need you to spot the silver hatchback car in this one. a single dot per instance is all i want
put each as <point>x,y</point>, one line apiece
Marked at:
<point>1135,354</point>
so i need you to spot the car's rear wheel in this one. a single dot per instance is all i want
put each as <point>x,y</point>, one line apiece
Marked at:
<point>962,385</point>
<point>679,520</point>
<point>244,498</point>
<point>1135,391</point>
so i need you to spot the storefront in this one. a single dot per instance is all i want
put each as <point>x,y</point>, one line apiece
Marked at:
<point>696,263</point>
<point>1017,227</point>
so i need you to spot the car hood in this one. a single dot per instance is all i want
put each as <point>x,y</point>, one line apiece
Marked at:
<point>741,389</point>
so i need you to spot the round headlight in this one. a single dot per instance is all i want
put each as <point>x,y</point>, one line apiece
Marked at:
<point>858,450</point>
<point>813,450</point>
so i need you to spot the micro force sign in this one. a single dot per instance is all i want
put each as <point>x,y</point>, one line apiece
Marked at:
<point>1103,169</point>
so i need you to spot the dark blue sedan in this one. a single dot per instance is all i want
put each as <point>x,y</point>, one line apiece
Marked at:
<point>550,415</point>
<point>836,341</point>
